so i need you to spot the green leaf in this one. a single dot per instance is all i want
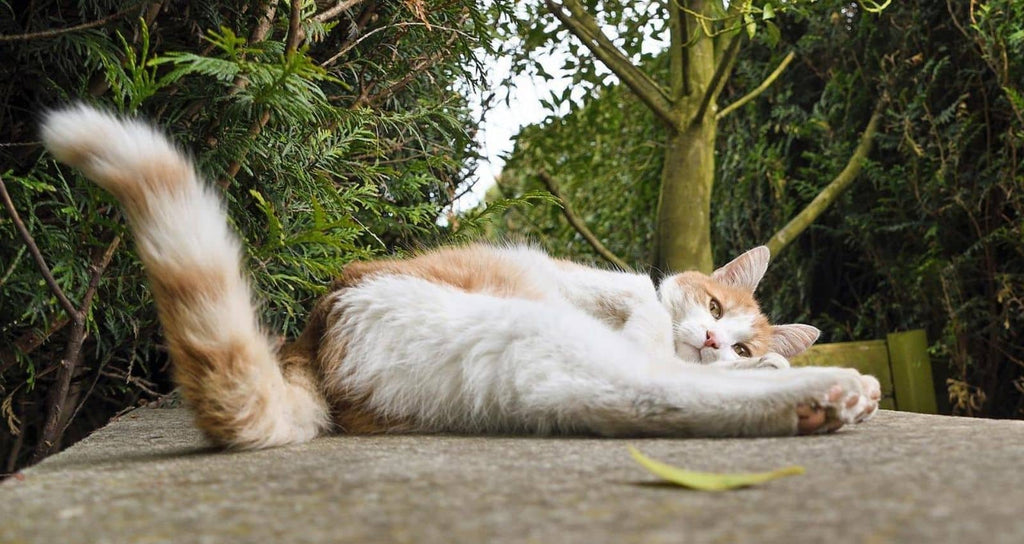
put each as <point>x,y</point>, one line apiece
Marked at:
<point>710,481</point>
<point>772,33</point>
<point>750,25</point>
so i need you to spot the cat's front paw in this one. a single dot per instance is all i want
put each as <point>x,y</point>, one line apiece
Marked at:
<point>853,399</point>
<point>772,360</point>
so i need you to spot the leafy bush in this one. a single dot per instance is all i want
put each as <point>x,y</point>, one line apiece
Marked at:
<point>929,236</point>
<point>335,135</point>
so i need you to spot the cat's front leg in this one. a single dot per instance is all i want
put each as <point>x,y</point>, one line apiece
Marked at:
<point>809,400</point>
<point>650,327</point>
<point>766,361</point>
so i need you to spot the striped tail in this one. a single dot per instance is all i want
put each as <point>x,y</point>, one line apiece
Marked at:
<point>225,365</point>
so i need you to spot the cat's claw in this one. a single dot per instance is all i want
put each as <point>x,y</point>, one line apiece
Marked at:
<point>840,406</point>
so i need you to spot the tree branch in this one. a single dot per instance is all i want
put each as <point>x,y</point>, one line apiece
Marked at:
<point>26,237</point>
<point>416,70</point>
<point>831,192</point>
<point>717,80</point>
<point>578,223</point>
<point>236,165</point>
<point>56,400</point>
<point>30,340</point>
<point>353,44</point>
<point>336,10</point>
<point>295,36</point>
<point>760,88</point>
<point>679,84</point>
<point>59,31</point>
<point>584,27</point>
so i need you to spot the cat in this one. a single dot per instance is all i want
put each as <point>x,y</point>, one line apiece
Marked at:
<point>478,339</point>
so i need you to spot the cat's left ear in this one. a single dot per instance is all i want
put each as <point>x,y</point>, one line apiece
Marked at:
<point>746,270</point>
<point>793,339</point>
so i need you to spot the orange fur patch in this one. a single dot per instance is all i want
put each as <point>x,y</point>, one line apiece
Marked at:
<point>474,269</point>
<point>736,300</point>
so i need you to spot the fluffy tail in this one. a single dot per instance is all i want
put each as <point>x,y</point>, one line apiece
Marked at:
<point>226,367</point>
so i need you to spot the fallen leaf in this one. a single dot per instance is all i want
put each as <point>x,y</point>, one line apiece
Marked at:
<point>710,481</point>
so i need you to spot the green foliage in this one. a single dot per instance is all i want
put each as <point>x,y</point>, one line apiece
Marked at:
<point>930,236</point>
<point>345,147</point>
<point>606,159</point>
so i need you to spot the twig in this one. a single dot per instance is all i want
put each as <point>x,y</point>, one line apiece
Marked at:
<point>236,165</point>
<point>14,265</point>
<point>760,88</point>
<point>145,385</point>
<point>582,25</point>
<point>30,242</point>
<point>365,100</point>
<point>831,192</point>
<point>58,31</point>
<point>578,223</point>
<point>348,48</point>
<point>335,11</point>
<point>52,430</point>
<point>28,342</point>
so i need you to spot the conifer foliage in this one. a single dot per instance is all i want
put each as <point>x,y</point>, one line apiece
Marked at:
<point>336,130</point>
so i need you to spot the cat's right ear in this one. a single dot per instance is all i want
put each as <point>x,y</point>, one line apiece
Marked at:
<point>746,270</point>
<point>793,339</point>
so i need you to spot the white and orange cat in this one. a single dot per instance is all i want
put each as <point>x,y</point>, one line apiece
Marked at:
<point>477,339</point>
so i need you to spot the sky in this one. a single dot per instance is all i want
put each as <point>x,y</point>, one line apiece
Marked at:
<point>503,121</point>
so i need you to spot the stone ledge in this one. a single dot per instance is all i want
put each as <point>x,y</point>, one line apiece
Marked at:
<point>149,477</point>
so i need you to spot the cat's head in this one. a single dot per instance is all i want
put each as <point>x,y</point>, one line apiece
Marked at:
<point>716,317</point>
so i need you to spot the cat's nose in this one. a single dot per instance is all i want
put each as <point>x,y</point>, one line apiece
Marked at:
<point>710,341</point>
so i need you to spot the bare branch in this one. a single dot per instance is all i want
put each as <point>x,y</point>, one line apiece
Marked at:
<point>679,84</point>
<point>265,23</point>
<point>26,237</point>
<point>583,26</point>
<point>416,70</point>
<point>57,399</point>
<point>336,10</point>
<point>59,31</point>
<point>29,341</point>
<point>578,223</point>
<point>236,165</point>
<point>367,99</point>
<point>295,36</point>
<point>98,267</point>
<point>717,79</point>
<point>760,88</point>
<point>352,45</point>
<point>831,192</point>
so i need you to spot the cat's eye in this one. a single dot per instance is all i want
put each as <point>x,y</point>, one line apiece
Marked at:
<point>716,308</point>
<point>741,350</point>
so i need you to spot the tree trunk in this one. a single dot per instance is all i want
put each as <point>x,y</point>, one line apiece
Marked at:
<point>683,236</point>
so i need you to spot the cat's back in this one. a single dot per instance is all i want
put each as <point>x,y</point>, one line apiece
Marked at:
<point>503,271</point>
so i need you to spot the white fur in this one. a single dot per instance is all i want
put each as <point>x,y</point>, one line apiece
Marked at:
<point>449,360</point>
<point>463,362</point>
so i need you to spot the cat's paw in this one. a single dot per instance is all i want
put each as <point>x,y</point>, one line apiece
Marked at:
<point>772,360</point>
<point>854,399</point>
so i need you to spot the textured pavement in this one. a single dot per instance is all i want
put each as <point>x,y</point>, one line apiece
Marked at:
<point>149,477</point>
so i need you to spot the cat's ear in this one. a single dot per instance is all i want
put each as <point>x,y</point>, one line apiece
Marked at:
<point>746,270</point>
<point>793,339</point>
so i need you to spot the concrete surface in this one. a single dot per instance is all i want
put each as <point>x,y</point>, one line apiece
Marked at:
<point>901,478</point>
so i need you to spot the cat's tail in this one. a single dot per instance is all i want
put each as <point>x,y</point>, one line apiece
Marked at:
<point>225,365</point>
